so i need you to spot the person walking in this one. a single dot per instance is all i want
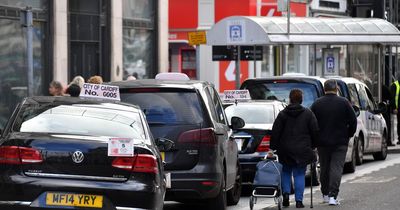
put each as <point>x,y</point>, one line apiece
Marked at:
<point>394,103</point>
<point>337,123</point>
<point>294,133</point>
<point>56,88</point>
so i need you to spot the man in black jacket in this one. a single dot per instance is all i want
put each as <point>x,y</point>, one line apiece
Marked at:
<point>337,123</point>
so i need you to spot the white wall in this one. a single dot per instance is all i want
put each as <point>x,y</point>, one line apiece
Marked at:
<point>60,41</point>
<point>116,41</point>
<point>162,36</point>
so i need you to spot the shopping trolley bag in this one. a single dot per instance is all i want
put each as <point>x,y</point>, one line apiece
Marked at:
<point>268,173</point>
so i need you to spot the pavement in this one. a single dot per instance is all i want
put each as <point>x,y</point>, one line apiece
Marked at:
<point>394,149</point>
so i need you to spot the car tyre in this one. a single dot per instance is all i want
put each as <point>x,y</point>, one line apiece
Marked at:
<point>233,195</point>
<point>359,151</point>
<point>351,166</point>
<point>383,153</point>
<point>219,202</point>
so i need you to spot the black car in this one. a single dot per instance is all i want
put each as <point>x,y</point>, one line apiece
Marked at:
<point>54,153</point>
<point>203,165</point>
<point>254,138</point>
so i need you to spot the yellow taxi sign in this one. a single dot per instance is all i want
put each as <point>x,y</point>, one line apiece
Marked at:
<point>197,38</point>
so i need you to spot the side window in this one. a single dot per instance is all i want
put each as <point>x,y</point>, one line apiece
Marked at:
<point>210,103</point>
<point>353,95</point>
<point>364,101</point>
<point>371,101</point>
<point>218,107</point>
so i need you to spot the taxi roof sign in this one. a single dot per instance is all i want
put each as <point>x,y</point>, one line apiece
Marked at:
<point>236,95</point>
<point>99,91</point>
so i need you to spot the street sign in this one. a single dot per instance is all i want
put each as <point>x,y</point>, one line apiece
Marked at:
<point>197,38</point>
<point>230,53</point>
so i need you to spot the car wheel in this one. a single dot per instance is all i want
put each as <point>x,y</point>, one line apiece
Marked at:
<point>233,195</point>
<point>219,202</point>
<point>360,151</point>
<point>351,166</point>
<point>383,153</point>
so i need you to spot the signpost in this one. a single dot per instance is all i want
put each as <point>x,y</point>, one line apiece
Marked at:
<point>27,22</point>
<point>230,53</point>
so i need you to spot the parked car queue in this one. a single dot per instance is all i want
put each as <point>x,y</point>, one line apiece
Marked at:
<point>54,151</point>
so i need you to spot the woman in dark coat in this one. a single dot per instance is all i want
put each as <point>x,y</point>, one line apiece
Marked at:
<point>294,134</point>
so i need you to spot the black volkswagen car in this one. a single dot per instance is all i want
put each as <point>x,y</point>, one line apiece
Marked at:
<point>204,165</point>
<point>64,152</point>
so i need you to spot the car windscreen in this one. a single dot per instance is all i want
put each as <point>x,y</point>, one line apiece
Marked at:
<point>79,120</point>
<point>166,106</point>
<point>252,113</point>
<point>280,91</point>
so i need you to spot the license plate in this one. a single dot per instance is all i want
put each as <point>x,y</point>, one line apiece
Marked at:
<point>239,143</point>
<point>72,199</point>
<point>162,156</point>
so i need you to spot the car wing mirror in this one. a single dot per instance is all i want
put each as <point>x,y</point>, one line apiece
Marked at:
<point>237,122</point>
<point>356,110</point>
<point>164,144</point>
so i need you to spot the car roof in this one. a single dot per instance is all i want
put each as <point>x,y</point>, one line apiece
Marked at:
<point>116,105</point>
<point>288,77</point>
<point>349,80</point>
<point>258,102</point>
<point>145,83</point>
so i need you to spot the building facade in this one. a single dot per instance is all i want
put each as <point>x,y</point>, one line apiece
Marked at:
<point>110,38</point>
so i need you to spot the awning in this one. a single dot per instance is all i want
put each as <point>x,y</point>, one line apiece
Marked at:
<point>247,30</point>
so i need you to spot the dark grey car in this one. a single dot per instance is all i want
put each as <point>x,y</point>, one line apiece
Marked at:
<point>204,163</point>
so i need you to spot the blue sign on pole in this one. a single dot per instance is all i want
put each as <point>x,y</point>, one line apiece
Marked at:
<point>330,64</point>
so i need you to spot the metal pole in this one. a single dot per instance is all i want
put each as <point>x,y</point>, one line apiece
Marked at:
<point>254,58</point>
<point>29,48</point>
<point>198,62</point>
<point>237,70</point>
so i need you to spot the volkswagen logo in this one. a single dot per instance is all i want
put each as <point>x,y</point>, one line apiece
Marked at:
<point>77,157</point>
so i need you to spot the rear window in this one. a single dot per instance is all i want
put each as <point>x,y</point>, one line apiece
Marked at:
<point>166,107</point>
<point>79,120</point>
<point>280,91</point>
<point>252,113</point>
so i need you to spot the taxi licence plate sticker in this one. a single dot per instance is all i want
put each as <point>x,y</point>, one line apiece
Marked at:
<point>71,199</point>
<point>162,156</point>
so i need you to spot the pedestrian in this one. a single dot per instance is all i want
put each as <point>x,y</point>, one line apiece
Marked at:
<point>95,80</point>
<point>73,90</point>
<point>337,123</point>
<point>78,80</point>
<point>394,103</point>
<point>56,88</point>
<point>294,133</point>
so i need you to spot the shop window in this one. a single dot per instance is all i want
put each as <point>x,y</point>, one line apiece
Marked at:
<point>39,4</point>
<point>139,37</point>
<point>13,67</point>
<point>188,62</point>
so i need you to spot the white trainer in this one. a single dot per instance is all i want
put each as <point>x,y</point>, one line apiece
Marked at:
<point>333,201</point>
<point>325,199</point>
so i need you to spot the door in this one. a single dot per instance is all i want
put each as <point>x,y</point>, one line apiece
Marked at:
<point>377,119</point>
<point>224,133</point>
<point>370,119</point>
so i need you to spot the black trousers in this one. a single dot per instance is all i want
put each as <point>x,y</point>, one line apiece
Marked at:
<point>331,160</point>
<point>398,125</point>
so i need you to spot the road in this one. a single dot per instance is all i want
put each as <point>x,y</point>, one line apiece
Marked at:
<point>373,186</point>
